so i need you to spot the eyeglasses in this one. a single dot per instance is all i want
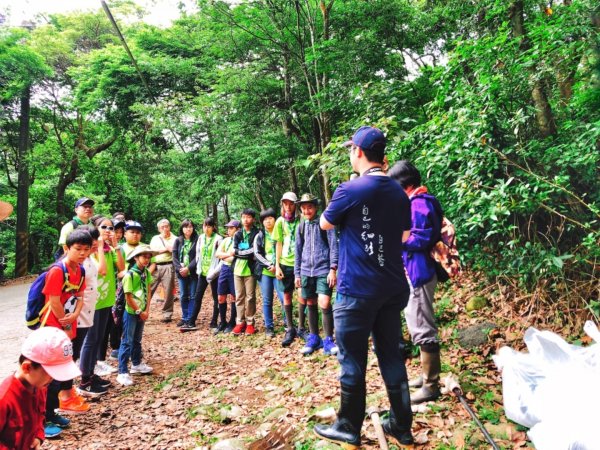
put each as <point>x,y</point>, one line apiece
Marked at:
<point>107,227</point>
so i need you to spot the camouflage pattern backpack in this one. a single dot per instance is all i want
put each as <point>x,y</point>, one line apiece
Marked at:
<point>445,253</point>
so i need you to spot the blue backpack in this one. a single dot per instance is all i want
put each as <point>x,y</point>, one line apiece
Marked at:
<point>36,300</point>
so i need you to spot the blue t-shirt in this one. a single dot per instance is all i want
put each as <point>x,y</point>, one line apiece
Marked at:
<point>371,212</point>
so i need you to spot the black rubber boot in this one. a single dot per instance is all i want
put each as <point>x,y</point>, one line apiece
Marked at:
<point>399,422</point>
<point>345,431</point>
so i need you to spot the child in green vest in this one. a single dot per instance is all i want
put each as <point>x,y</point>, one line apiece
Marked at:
<point>136,286</point>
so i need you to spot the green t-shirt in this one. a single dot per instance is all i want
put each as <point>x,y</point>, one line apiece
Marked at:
<point>208,249</point>
<point>107,285</point>
<point>133,283</point>
<point>226,245</point>
<point>67,229</point>
<point>269,253</point>
<point>285,232</point>
<point>242,268</point>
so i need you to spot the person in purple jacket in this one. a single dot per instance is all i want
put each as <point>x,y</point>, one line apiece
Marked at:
<point>426,218</point>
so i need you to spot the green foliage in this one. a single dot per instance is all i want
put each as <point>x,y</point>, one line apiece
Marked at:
<point>244,102</point>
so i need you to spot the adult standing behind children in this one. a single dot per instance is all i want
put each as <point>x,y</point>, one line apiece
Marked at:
<point>373,215</point>
<point>284,234</point>
<point>243,273</point>
<point>184,262</point>
<point>162,267</point>
<point>84,210</point>
<point>46,355</point>
<point>315,272</point>
<point>426,218</point>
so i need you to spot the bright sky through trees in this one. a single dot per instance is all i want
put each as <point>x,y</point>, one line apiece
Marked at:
<point>160,12</point>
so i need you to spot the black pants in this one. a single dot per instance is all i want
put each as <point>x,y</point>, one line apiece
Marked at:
<point>200,290</point>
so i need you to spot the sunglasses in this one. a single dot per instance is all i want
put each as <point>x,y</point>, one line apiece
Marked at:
<point>107,227</point>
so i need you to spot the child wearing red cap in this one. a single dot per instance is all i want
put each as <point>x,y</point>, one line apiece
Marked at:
<point>47,354</point>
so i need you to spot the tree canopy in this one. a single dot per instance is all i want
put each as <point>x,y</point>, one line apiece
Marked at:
<point>496,102</point>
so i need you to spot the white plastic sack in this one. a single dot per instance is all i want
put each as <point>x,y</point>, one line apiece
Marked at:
<point>554,389</point>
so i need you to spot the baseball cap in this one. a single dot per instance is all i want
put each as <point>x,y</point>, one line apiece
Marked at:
<point>118,223</point>
<point>133,224</point>
<point>289,196</point>
<point>82,201</point>
<point>52,348</point>
<point>367,138</point>
<point>233,223</point>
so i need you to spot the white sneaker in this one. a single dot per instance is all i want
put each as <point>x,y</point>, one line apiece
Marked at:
<point>102,369</point>
<point>108,367</point>
<point>124,379</point>
<point>141,368</point>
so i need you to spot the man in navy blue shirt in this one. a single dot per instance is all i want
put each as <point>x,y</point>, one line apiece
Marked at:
<point>372,213</point>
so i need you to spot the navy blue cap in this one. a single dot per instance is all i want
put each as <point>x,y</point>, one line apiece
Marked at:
<point>82,201</point>
<point>367,138</point>
<point>118,223</point>
<point>133,224</point>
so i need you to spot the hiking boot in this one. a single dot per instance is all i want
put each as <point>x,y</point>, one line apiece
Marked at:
<point>290,335</point>
<point>73,405</point>
<point>430,389</point>
<point>51,430</point>
<point>124,379</point>
<point>220,328</point>
<point>102,382</point>
<point>58,420</point>
<point>239,329</point>
<point>329,346</point>
<point>302,333</point>
<point>313,343</point>
<point>270,332</point>
<point>181,323</point>
<point>114,355</point>
<point>91,390</point>
<point>250,329</point>
<point>345,431</point>
<point>141,369</point>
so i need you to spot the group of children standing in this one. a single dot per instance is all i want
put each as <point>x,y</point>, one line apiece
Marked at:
<point>103,261</point>
<point>289,252</point>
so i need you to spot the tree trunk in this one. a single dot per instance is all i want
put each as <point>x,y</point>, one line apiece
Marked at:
<point>294,180</point>
<point>66,178</point>
<point>226,209</point>
<point>259,197</point>
<point>22,238</point>
<point>215,214</point>
<point>543,111</point>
